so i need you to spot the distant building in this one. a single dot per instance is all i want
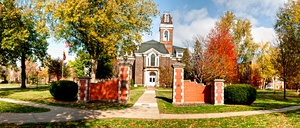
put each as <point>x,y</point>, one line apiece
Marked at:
<point>154,54</point>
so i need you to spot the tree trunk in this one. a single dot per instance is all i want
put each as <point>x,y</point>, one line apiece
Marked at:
<point>263,85</point>
<point>284,89</point>
<point>57,77</point>
<point>94,69</point>
<point>5,78</point>
<point>23,69</point>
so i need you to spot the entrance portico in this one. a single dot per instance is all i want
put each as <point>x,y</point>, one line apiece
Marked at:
<point>151,77</point>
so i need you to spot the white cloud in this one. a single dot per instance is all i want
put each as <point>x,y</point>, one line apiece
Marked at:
<point>263,34</point>
<point>196,22</point>
<point>187,24</point>
<point>252,7</point>
<point>193,15</point>
<point>257,11</point>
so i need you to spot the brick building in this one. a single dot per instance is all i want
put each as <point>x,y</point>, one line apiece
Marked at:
<point>154,54</point>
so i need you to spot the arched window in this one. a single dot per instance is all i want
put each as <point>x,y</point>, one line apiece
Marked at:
<point>152,60</point>
<point>166,35</point>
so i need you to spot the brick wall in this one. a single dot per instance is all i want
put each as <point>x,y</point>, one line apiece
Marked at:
<point>164,61</point>
<point>178,84</point>
<point>191,92</point>
<point>196,92</point>
<point>106,90</point>
<point>218,92</point>
<point>138,70</point>
<point>117,89</point>
<point>83,87</point>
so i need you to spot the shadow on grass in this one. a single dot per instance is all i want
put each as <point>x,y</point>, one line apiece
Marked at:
<point>279,98</point>
<point>164,98</point>
<point>270,106</point>
<point>89,105</point>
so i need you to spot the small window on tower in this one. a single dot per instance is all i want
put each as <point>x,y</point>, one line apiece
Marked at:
<point>166,18</point>
<point>166,35</point>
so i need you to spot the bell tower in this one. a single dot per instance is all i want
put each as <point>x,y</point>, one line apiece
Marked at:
<point>166,31</point>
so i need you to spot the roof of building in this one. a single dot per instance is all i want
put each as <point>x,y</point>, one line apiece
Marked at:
<point>177,49</point>
<point>160,47</point>
<point>152,44</point>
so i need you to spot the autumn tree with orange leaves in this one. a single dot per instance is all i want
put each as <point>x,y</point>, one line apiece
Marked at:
<point>213,57</point>
<point>220,55</point>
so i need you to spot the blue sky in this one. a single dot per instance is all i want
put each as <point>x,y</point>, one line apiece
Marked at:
<point>197,17</point>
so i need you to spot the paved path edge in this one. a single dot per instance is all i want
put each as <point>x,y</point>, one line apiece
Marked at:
<point>60,114</point>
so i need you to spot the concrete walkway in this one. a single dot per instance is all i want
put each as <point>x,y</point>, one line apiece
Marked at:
<point>144,108</point>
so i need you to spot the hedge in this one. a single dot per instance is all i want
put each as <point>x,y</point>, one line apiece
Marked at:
<point>239,94</point>
<point>64,90</point>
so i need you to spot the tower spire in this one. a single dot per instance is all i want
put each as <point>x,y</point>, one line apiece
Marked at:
<point>166,31</point>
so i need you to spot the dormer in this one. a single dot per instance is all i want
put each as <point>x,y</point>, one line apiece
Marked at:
<point>179,53</point>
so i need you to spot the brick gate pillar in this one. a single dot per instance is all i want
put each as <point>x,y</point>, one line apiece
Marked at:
<point>218,92</point>
<point>178,84</point>
<point>124,82</point>
<point>83,89</point>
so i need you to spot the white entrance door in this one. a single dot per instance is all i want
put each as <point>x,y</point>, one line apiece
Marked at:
<point>152,79</point>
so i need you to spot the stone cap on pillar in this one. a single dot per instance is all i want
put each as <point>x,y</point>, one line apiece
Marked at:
<point>84,77</point>
<point>219,80</point>
<point>125,64</point>
<point>178,65</point>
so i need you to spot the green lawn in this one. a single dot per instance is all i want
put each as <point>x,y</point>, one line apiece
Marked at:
<point>287,119</point>
<point>17,108</point>
<point>265,100</point>
<point>6,86</point>
<point>42,95</point>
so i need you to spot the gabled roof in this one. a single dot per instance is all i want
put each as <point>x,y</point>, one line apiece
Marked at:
<point>176,49</point>
<point>152,44</point>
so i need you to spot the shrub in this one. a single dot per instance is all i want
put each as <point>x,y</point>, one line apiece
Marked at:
<point>64,90</point>
<point>132,83</point>
<point>239,94</point>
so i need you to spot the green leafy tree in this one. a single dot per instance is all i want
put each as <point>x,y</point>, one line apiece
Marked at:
<point>82,61</point>
<point>287,28</point>
<point>82,65</point>
<point>101,27</point>
<point>24,32</point>
<point>188,69</point>
<point>106,67</point>
<point>55,68</point>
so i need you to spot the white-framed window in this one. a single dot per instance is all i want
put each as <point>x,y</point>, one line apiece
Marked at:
<point>179,55</point>
<point>152,60</point>
<point>166,35</point>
